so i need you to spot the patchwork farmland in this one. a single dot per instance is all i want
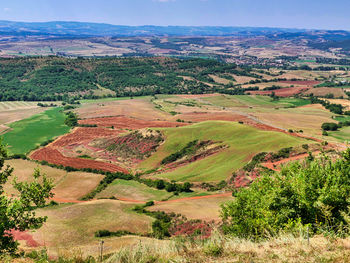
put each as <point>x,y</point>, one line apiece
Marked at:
<point>124,163</point>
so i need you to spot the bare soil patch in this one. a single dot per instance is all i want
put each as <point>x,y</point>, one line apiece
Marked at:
<point>122,122</point>
<point>302,82</point>
<point>52,155</point>
<point>286,92</point>
<point>323,91</point>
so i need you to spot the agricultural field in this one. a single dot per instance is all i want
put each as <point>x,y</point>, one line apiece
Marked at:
<point>27,134</point>
<point>69,186</point>
<point>230,156</point>
<point>178,140</point>
<point>206,209</point>
<point>12,111</point>
<point>132,190</point>
<point>73,232</point>
<point>342,135</point>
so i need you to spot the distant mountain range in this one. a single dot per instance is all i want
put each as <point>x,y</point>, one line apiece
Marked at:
<point>99,29</point>
<point>18,32</point>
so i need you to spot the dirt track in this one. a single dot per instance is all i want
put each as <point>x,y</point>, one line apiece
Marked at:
<point>273,165</point>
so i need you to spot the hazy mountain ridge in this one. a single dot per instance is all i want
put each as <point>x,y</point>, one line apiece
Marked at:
<point>101,29</point>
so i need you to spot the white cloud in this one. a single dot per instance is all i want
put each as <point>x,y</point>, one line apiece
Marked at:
<point>6,9</point>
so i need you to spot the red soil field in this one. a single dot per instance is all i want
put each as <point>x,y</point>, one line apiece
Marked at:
<point>302,82</point>
<point>274,165</point>
<point>122,122</point>
<point>286,92</point>
<point>52,155</point>
<point>83,134</point>
<point>18,236</point>
<point>55,152</point>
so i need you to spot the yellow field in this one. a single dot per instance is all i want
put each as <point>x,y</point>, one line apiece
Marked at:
<point>68,186</point>
<point>207,209</point>
<point>72,226</point>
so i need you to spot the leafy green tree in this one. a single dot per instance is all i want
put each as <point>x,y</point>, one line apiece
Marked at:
<point>71,119</point>
<point>19,213</point>
<point>314,193</point>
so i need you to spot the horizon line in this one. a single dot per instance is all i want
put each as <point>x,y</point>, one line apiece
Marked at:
<point>141,25</point>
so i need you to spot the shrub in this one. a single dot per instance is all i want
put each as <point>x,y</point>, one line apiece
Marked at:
<point>329,126</point>
<point>315,193</point>
<point>214,249</point>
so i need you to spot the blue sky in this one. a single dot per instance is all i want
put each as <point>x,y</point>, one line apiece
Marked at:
<point>318,14</point>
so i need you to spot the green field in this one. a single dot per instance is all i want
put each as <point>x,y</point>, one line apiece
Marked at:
<point>343,134</point>
<point>243,142</point>
<point>342,118</point>
<point>27,134</point>
<point>133,190</point>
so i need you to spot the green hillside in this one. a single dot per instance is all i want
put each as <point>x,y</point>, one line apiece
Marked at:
<point>243,143</point>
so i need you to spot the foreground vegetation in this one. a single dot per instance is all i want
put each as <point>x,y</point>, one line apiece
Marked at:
<point>17,213</point>
<point>300,214</point>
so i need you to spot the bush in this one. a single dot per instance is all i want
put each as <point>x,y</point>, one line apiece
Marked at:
<point>329,126</point>
<point>315,193</point>
<point>213,249</point>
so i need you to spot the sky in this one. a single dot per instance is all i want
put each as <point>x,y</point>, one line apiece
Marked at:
<point>309,14</point>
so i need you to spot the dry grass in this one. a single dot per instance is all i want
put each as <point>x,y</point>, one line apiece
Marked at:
<point>136,108</point>
<point>69,186</point>
<point>242,79</point>
<point>205,209</point>
<point>345,103</point>
<point>223,249</point>
<point>73,225</point>
<point>337,92</point>
<point>8,116</point>
<point>220,80</point>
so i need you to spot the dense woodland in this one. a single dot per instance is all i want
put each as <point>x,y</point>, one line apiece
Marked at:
<point>55,78</point>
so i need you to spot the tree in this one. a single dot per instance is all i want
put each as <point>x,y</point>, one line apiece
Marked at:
<point>315,193</point>
<point>19,213</point>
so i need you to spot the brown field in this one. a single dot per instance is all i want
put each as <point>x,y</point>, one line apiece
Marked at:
<point>83,134</point>
<point>63,151</point>
<point>242,79</point>
<point>205,209</point>
<point>286,92</point>
<point>267,84</point>
<point>68,185</point>
<point>9,116</point>
<point>345,103</point>
<point>302,82</point>
<point>307,118</point>
<point>122,122</point>
<point>323,91</point>
<point>53,156</point>
<point>220,80</point>
<point>135,108</point>
<point>72,226</point>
